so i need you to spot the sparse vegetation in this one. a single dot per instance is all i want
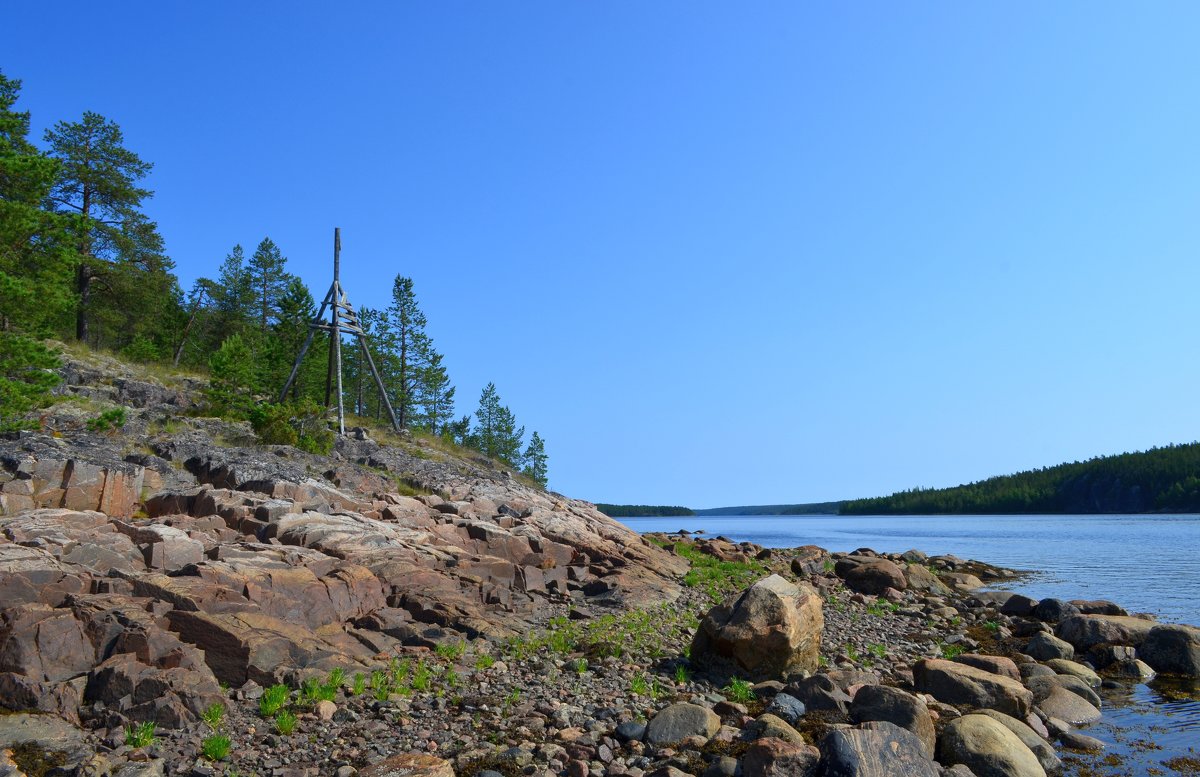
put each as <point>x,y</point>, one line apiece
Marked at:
<point>273,700</point>
<point>214,715</point>
<point>109,420</point>
<point>285,722</point>
<point>216,747</point>
<point>141,735</point>
<point>739,690</point>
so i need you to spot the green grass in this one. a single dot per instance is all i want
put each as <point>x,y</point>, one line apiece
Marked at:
<point>682,675</point>
<point>216,747</point>
<point>451,651</point>
<point>314,690</point>
<point>639,685</point>
<point>484,661</point>
<point>359,685</point>
<point>141,735</point>
<point>950,651</point>
<point>285,722</point>
<point>637,631</point>
<point>422,677</point>
<point>273,700</point>
<point>717,577</point>
<point>739,691</point>
<point>214,715</point>
<point>881,607</point>
<point>877,649</point>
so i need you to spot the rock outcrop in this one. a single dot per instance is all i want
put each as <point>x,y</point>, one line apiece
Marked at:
<point>141,582</point>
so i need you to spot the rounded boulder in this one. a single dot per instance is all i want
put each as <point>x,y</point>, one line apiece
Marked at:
<point>987,748</point>
<point>772,630</point>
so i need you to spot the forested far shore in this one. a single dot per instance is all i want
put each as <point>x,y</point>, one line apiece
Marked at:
<point>809,508</point>
<point>1163,479</point>
<point>642,511</point>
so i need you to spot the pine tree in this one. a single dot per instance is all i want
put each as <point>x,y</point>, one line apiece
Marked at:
<point>36,260</point>
<point>97,186</point>
<point>296,311</point>
<point>26,377</point>
<point>230,391</point>
<point>459,432</point>
<point>268,278</point>
<point>535,459</point>
<point>497,434</point>
<point>435,394</point>
<point>409,347</point>
<point>233,295</point>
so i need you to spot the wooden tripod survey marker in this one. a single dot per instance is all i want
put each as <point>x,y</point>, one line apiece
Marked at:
<point>342,320</point>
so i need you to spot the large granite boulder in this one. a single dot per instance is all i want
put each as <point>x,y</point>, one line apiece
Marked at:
<point>1172,649</point>
<point>987,747</point>
<point>1045,646</point>
<point>1060,702</point>
<point>875,749</point>
<point>882,702</point>
<point>1087,631</point>
<point>875,576</point>
<point>772,630</point>
<point>955,683</point>
<point>1031,739</point>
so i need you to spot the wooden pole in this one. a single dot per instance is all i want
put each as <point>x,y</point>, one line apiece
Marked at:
<point>337,332</point>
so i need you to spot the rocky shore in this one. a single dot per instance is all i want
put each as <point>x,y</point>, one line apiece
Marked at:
<point>177,600</point>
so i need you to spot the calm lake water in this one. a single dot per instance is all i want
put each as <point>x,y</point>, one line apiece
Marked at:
<point>1145,563</point>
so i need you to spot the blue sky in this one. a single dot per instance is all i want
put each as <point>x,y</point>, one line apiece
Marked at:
<point>714,253</point>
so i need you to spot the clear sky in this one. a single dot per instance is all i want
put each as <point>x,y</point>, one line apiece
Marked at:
<point>715,253</point>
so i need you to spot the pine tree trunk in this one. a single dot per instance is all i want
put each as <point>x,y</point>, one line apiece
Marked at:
<point>83,286</point>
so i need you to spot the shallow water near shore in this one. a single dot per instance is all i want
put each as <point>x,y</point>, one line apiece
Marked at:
<point>1145,563</point>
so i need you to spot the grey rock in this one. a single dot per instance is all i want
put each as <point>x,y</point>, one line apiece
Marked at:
<point>1067,706</point>
<point>1062,666</point>
<point>819,692</point>
<point>1087,631</point>
<point>156,767</point>
<point>1172,649</point>
<point>1019,605</point>
<point>631,731</point>
<point>880,702</point>
<point>1042,687</point>
<point>682,720</point>
<point>1047,646</point>
<point>1054,610</point>
<point>786,706</point>
<point>722,767</point>
<point>1073,740</point>
<point>1030,738</point>
<point>876,749</point>
<point>987,747</point>
<point>956,683</point>
<point>767,726</point>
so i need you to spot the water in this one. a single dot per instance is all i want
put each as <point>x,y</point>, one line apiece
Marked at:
<point>1145,563</point>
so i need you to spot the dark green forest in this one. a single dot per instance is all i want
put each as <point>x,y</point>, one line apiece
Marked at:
<point>81,261</point>
<point>641,511</point>
<point>1158,480</point>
